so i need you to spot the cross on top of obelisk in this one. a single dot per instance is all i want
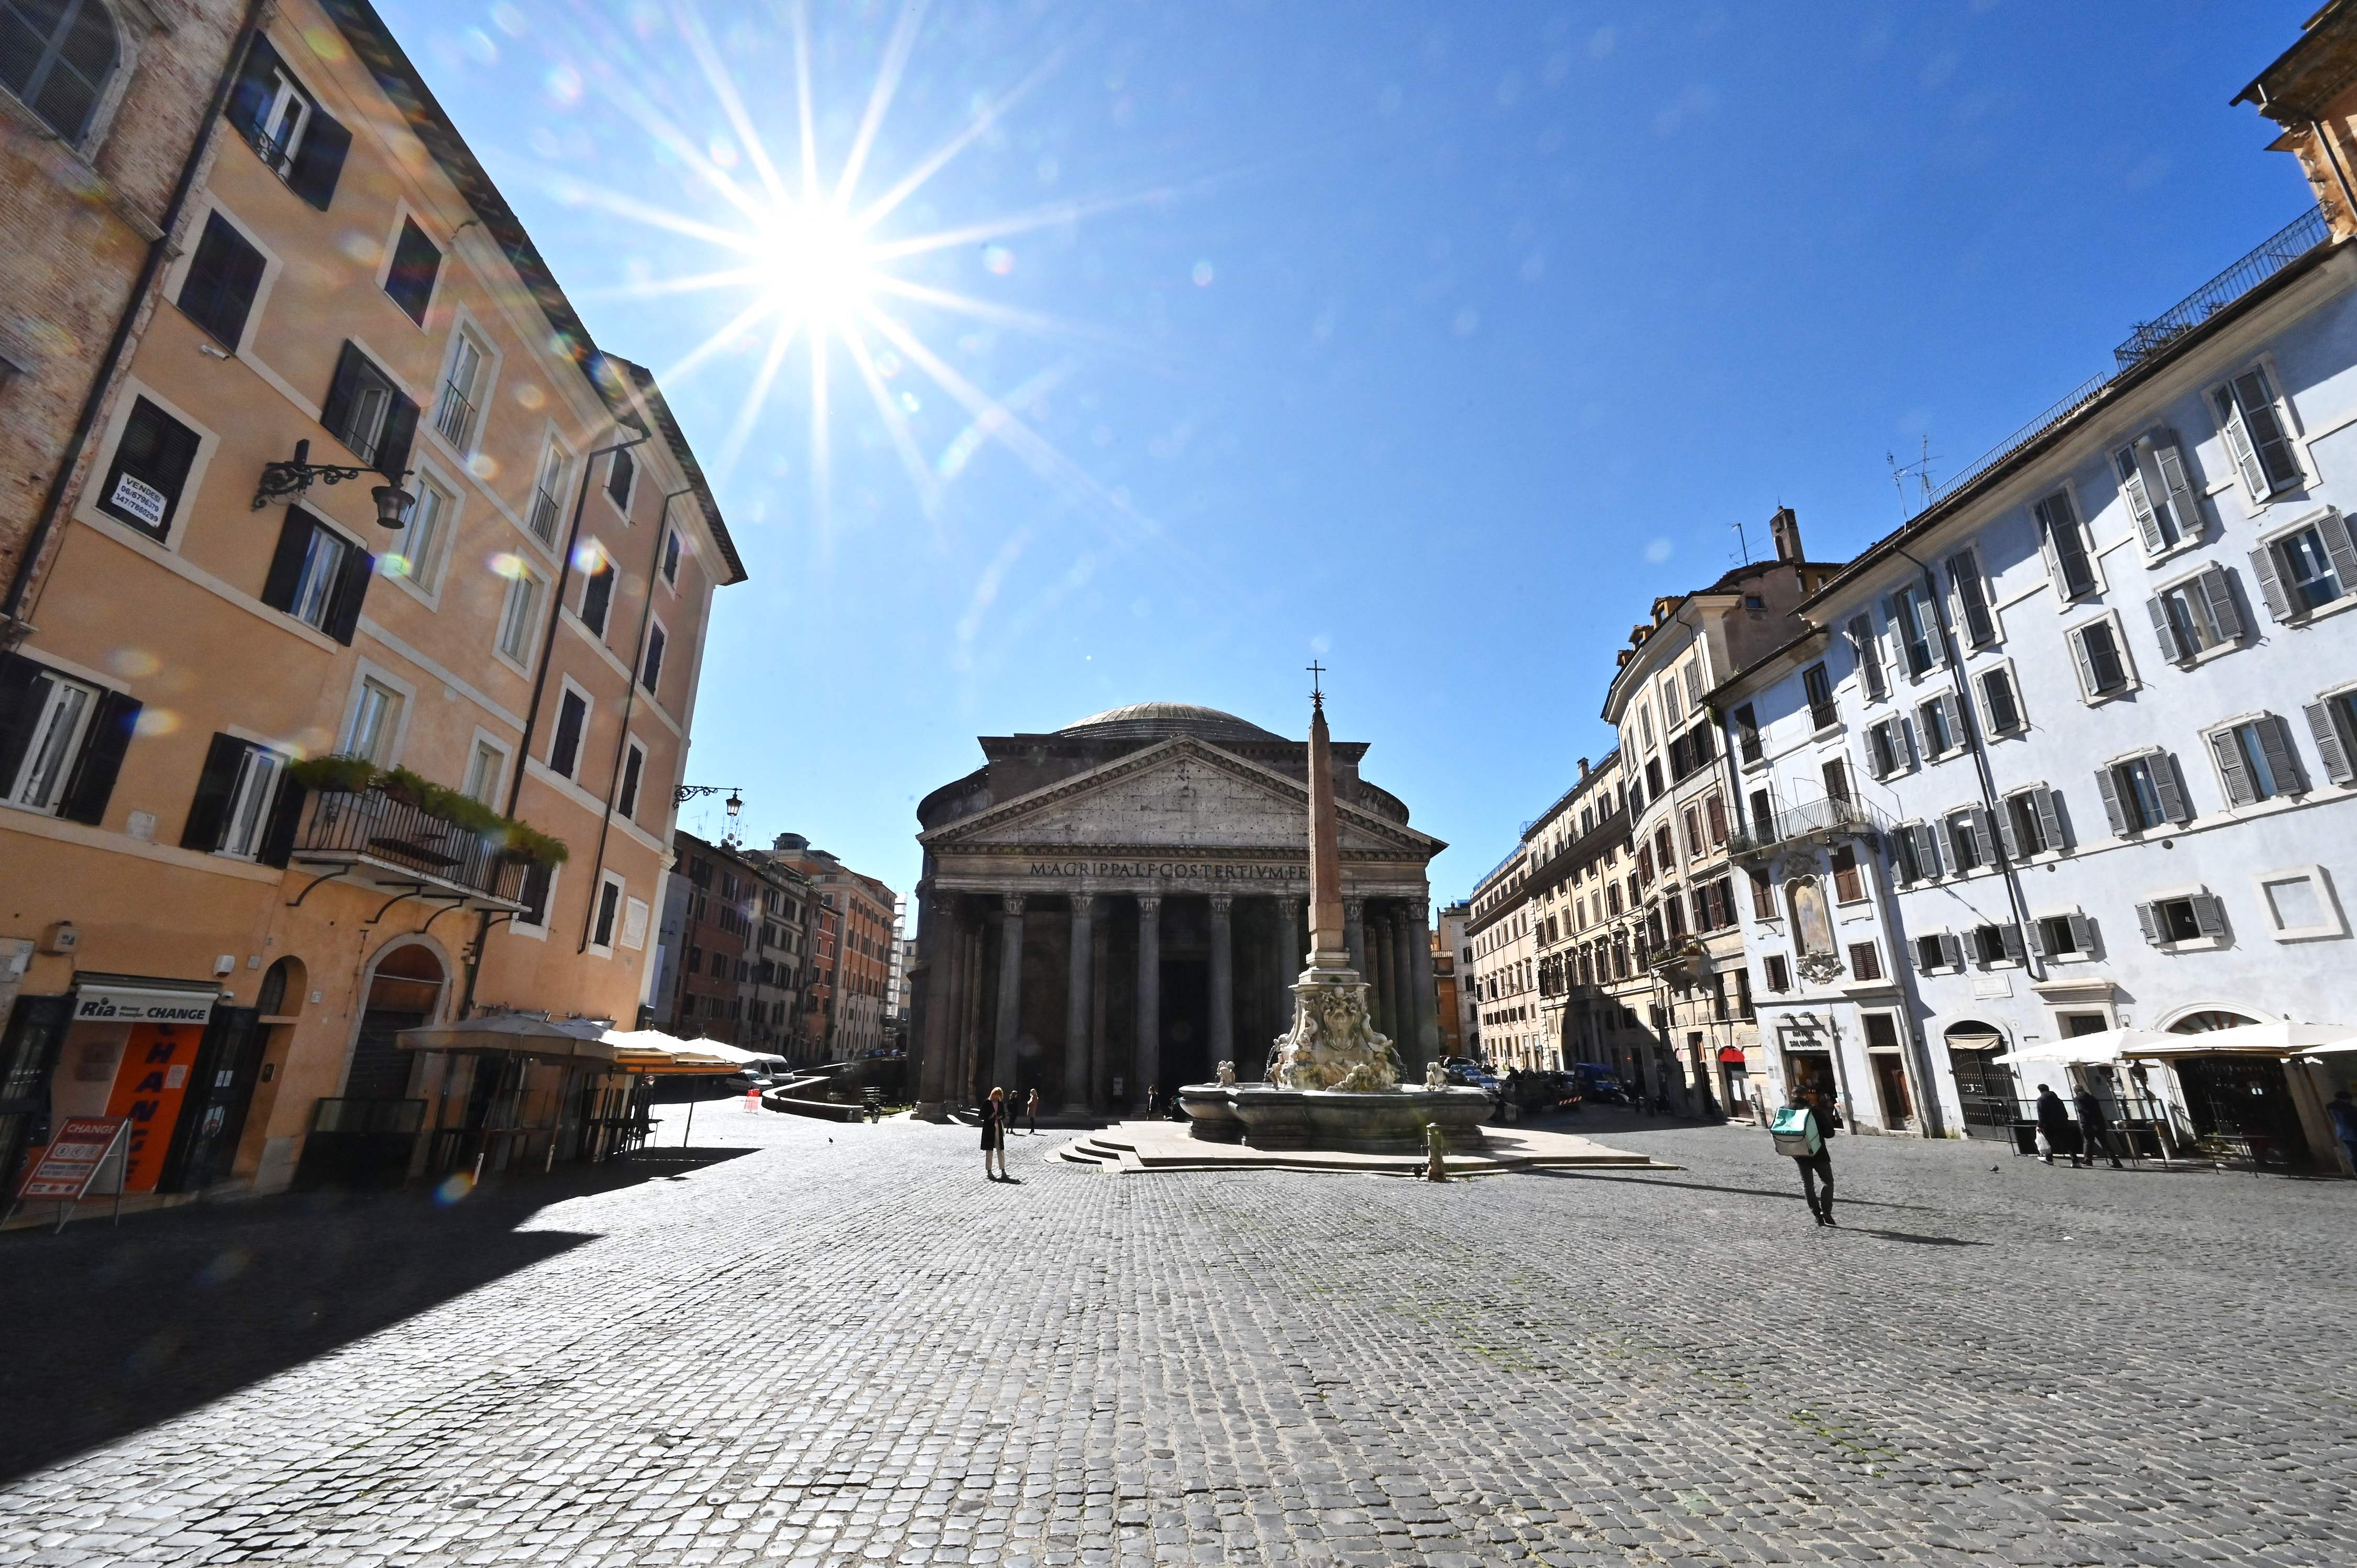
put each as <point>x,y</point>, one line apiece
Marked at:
<point>1317,693</point>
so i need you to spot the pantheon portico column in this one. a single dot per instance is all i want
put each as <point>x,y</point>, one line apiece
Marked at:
<point>1076,1011</point>
<point>1148,1066</point>
<point>1010,991</point>
<point>1290,960</point>
<point>1404,936</point>
<point>1419,971</point>
<point>1223,980</point>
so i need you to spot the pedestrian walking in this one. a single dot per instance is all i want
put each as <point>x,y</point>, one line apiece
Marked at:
<point>2095,1129</point>
<point>1152,1100</point>
<point>1799,1132</point>
<point>1031,1114</point>
<point>993,1136</point>
<point>2342,1111</point>
<point>2054,1120</point>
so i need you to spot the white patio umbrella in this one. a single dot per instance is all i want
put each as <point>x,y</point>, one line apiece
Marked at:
<point>2275,1037</point>
<point>2082,1050</point>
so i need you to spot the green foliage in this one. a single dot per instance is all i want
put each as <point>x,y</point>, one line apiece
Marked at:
<point>356,775</point>
<point>333,775</point>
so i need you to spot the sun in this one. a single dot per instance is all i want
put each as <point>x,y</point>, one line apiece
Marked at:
<point>816,265</point>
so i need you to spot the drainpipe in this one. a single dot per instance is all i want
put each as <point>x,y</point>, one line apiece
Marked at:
<point>629,705</point>
<point>94,402</point>
<point>540,688</point>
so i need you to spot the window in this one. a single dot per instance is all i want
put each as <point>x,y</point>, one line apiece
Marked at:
<point>1764,895</point>
<point>533,896</point>
<point>318,575</point>
<point>2255,761</point>
<point>1936,723</point>
<point>518,616</point>
<point>1865,960</point>
<point>2000,707</point>
<point>420,554</point>
<point>367,413</point>
<point>462,395</point>
<point>2059,938</point>
<point>484,769</point>
<point>1849,886</point>
<point>2170,920</point>
<point>1869,658</point>
<point>1747,733</point>
<point>2301,571</point>
<point>151,461</point>
<point>2102,662</point>
<point>1915,850</point>
<point>1968,840</point>
<point>545,510</point>
<point>409,281</point>
<point>597,593</point>
<point>609,906</point>
<point>2300,904</point>
<point>1939,951</point>
<point>1778,972</point>
<point>1692,821</point>
<point>2195,616</point>
<point>1653,777</point>
<point>1886,748</point>
<point>634,767</point>
<point>671,558</point>
<point>2332,724</point>
<point>235,811</point>
<point>286,126</point>
<point>2160,494</point>
<point>622,473</point>
<point>222,277</point>
<point>375,729</point>
<point>57,58</point>
<point>1972,599</point>
<point>61,741</point>
<point>1994,945</point>
<point>1910,615</point>
<point>1819,688</point>
<point>651,672</point>
<point>2030,823</point>
<point>1837,777</point>
<point>2142,792</point>
<point>1715,813</point>
<point>2065,542</point>
<point>565,744</point>
<point>2257,431</point>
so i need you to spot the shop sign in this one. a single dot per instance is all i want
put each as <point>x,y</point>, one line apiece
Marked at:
<point>148,1089</point>
<point>135,1004</point>
<point>67,1167</point>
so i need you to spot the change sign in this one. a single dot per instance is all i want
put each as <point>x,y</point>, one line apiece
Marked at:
<point>70,1164</point>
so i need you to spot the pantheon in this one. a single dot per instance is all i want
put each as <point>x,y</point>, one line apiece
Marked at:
<point>1119,906</point>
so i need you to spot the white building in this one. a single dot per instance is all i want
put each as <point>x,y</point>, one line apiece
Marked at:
<point>2071,750</point>
<point>1504,967</point>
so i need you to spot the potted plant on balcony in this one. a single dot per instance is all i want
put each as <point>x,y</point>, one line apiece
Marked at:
<point>335,774</point>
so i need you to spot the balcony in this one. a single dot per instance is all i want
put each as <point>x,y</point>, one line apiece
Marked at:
<point>1819,821</point>
<point>455,418</point>
<point>372,838</point>
<point>544,516</point>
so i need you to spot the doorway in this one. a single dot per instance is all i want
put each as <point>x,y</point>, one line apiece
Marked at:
<point>1185,1022</point>
<point>1985,1085</point>
<point>365,1137</point>
<point>2242,1109</point>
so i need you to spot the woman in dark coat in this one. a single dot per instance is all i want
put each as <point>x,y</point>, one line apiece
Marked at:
<point>2054,1120</point>
<point>993,1136</point>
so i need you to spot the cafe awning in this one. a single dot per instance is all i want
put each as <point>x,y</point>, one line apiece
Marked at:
<point>2276,1038</point>
<point>516,1034</point>
<point>2083,1050</point>
<point>653,1051</point>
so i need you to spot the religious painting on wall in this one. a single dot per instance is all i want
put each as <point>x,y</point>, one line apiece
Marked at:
<point>1812,920</point>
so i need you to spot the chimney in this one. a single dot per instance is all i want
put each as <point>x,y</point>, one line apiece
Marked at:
<point>1786,530</point>
<point>1583,771</point>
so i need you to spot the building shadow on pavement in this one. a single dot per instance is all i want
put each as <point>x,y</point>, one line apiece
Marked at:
<point>1791,1193</point>
<point>115,1329</point>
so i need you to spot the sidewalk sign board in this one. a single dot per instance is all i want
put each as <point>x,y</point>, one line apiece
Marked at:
<point>68,1168</point>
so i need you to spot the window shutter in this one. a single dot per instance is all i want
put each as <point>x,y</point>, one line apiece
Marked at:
<point>2011,935</point>
<point>2270,575</point>
<point>93,783</point>
<point>2083,935</point>
<point>319,159</point>
<point>1693,684</point>
<point>2165,783</point>
<point>2184,499</point>
<point>2238,441</point>
<point>2330,744</point>
<point>2035,933</point>
<point>2237,777</point>
<point>19,679</point>
<point>2108,786</point>
<point>2086,665</point>
<point>1927,849</point>
<point>2264,419</point>
<point>2217,590</point>
<point>1984,830</point>
<point>2139,499</point>
<point>1870,656</point>
<point>400,434</point>
<point>208,814</point>
<point>335,413</point>
<point>2333,528</point>
<point>2048,806</point>
<point>1959,721</point>
<point>351,590</point>
<point>2209,915</point>
<point>2006,835</point>
<point>278,833</point>
<point>1951,950</point>
<point>2165,630</point>
<point>2283,757</point>
<point>1924,962</point>
<point>1894,607</point>
<point>2148,917</point>
<point>286,561</point>
<point>250,97</point>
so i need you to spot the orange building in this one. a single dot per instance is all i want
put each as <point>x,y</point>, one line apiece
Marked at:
<point>495,619</point>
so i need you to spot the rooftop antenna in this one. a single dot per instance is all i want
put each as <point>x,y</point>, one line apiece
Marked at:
<point>1919,470</point>
<point>1744,540</point>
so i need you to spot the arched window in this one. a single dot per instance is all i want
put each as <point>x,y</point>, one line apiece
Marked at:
<point>56,56</point>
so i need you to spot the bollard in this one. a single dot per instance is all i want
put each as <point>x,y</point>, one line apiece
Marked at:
<point>752,1099</point>
<point>1436,1148</point>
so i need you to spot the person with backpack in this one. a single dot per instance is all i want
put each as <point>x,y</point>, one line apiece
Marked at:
<point>1800,1134</point>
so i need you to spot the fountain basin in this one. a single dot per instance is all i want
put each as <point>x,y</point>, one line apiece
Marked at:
<point>1210,1116</point>
<point>1383,1121</point>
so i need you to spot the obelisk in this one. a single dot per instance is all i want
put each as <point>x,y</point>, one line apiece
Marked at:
<point>1328,949</point>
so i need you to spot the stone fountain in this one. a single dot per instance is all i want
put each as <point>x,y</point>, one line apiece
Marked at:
<point>1333,1081</point>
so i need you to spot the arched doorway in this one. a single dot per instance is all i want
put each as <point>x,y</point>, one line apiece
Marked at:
<point>366,1136</point>
<point>1987,1094</point>
<point>2241,1106</point>
<point>405,990</point>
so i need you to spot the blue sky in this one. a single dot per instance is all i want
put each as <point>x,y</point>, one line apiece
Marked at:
<point>1433,340</point>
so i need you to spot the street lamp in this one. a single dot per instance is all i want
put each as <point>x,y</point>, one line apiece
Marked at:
<point>290,480</point>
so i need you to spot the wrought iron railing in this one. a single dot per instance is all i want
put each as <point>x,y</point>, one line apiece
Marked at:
<point>455,416</point>
<point>544,516</point>
<point>1825,818</point>
<point>399,836</point>
<point>2279,250</point>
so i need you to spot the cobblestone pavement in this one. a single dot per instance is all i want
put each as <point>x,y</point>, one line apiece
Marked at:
<point>844,1346</point>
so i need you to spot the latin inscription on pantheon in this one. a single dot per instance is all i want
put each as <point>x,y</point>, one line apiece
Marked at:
<point>1170,870</point>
